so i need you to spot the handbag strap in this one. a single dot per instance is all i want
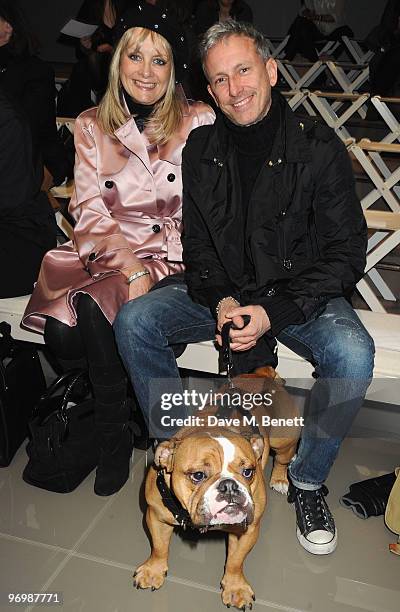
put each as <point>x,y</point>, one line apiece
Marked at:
<point>68,392</point>
<point>67,380</point>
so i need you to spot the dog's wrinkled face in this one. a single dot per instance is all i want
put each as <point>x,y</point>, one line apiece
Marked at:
<point>214,476</point>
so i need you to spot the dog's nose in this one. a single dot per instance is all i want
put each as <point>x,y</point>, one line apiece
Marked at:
<point>229,487</point>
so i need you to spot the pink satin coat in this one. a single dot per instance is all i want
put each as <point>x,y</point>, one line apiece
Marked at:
<point>128,210</point>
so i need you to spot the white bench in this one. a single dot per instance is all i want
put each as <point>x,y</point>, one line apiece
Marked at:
<point>203,357</point>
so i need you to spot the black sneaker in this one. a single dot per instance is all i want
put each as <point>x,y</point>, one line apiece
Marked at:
<point>316,530</point>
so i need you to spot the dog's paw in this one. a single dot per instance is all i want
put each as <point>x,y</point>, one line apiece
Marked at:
<point>279,485</point>
<point>236,592</point>
<point>149,576</point>
<point>279,480</point>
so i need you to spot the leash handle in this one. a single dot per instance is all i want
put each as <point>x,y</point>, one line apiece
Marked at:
<point>227,359</point>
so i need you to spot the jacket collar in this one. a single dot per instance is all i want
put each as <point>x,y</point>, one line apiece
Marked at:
<point>129,135</point>
<point>290,142</point>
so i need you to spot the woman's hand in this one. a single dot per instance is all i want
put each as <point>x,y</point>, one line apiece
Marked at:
<point>104,48</point>
<point>140,286</point>
<point>86,42</point>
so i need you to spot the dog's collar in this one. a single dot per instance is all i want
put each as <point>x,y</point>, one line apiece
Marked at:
<point>171,502</point>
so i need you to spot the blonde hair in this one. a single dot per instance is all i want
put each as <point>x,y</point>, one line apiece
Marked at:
<point>167,113</point>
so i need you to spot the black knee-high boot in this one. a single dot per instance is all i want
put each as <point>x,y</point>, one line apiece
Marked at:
<point>112,408</point>
<point>115,432</point>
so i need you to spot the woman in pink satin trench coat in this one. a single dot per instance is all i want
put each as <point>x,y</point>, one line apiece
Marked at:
<point>127,207</point>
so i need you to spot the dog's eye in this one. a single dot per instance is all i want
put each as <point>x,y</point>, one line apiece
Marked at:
<point>197,477</point>
<point>248,472</point>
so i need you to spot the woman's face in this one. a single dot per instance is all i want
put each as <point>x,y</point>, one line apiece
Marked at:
<point>5,32</point>
<point>145,71</point>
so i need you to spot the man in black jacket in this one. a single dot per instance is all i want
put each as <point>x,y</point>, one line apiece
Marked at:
<point>272,230</point>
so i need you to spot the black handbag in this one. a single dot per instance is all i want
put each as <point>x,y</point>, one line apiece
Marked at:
<point>21,384</point>
<point>63,447</point>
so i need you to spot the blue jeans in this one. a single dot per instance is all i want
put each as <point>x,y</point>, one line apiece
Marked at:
<point>335,342</point>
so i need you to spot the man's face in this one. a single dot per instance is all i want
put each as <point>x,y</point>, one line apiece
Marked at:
<point>240,80</point>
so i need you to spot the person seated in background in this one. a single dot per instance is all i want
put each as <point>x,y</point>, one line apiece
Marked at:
<point>30,82</point>
<point>206,14</point>
<point>317,20</point>
<point>384,67</point>
<point>128,210</point>
<point>209,12</point>
<point>89,76</point>
<point>27,225</point>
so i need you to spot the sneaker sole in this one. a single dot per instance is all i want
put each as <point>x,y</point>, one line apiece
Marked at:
<point>317,549</point>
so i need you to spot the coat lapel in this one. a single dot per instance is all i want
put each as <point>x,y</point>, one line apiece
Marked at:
<point>129,135</point>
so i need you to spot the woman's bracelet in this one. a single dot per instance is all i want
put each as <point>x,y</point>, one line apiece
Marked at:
<point>219,305</point>
<point>136,275</point>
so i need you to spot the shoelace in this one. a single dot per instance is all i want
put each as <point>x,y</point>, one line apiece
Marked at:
<point>313,508</point>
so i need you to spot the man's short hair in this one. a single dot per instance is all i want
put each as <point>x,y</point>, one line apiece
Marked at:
<point>223,29</point>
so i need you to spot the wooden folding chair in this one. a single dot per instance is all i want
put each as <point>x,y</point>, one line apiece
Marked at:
<point>326,109</point>
<point>382,242</point>
<point>277,45</point>
<point>350,77</point>
<point>381,105</point>
<point>358,55</point>
<point>369,154</point>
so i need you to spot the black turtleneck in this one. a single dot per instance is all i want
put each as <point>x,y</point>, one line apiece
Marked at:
<point>253,145</point>
<point>140,112</point>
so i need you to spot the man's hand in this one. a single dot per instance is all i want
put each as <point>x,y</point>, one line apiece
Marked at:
<point>245,337</point>
<point>225,307</point>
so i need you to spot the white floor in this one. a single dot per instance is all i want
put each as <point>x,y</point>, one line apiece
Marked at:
<point>86,547</point>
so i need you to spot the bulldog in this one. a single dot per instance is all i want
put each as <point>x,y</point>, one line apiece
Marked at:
<point>211,476</point>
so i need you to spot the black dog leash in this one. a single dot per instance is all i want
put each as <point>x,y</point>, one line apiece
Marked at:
<point>226,351</point>
<point>223,412</point>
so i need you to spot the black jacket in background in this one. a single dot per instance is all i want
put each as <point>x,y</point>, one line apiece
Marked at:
<point>29,81</point>
<point>207,14</point>
<point>305,228</point>
<point>384,34</point>
<point>27,226</point>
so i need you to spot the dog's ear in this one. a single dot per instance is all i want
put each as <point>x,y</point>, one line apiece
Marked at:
<point>257,444</point>
<point>164,456</point>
